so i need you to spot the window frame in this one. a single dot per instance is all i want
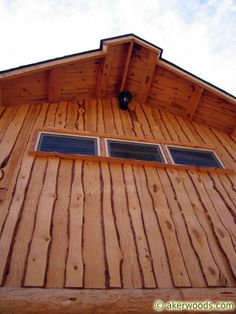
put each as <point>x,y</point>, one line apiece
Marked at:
<point>67,135</point>
<point>196,149</point>
<point>165,161</point>
<point>103,152</point>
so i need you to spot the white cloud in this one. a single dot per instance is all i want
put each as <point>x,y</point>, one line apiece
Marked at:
<point>197,35</point>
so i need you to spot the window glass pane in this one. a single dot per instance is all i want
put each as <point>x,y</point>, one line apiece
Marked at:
<point>67,144</point>
<point>185,156</point>
<point>136,151</point>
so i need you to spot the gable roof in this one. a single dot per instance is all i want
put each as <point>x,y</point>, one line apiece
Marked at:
<point>124,62</point>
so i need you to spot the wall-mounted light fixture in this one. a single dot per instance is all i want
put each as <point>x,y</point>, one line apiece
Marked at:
<point>124,98</point>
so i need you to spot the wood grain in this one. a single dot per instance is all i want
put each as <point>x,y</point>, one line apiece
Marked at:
<point>96,222</point>
<point>25,301</point>
<point>37,259</point>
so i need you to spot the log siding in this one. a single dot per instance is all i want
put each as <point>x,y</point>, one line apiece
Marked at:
<point>67,223</point>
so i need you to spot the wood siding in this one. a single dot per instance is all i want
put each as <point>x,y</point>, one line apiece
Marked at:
<point>125,63</point>
<point>86,224</point>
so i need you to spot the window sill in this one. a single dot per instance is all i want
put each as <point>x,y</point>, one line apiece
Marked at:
<point>129,161</point>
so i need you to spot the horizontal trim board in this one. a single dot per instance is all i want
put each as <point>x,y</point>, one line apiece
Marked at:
<point>129,161</point>
<point>36,135</point>
<point>58,301</point>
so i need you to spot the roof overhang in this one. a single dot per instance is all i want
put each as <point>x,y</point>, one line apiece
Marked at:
<point>123,62</point>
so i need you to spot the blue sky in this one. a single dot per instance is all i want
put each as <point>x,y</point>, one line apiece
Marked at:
<point>198,35</point>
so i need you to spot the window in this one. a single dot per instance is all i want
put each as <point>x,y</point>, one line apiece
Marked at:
<point>134,150</point>
<point>194,157</point>
<point>84,144</point>
<point>67,144</point>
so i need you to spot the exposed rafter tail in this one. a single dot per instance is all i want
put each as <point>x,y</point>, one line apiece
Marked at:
<point>148,77</point>
<point>126,68</point>
<point>194,102</point>
<point>104,72</point>
<point>54,85</point>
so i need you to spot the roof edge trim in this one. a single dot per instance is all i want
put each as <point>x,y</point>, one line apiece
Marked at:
<point>3,74</point>
<point>100,49</point>
<point>198,80</point>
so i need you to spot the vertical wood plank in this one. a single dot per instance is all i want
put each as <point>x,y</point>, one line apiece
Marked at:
<point>229,139</point>
<point>112,246</point>
<point>13,213</point>
<point>51,115</point>
<point>221,151</point>
<point>195,230</point>
<point>59,241</point>
<point>24,233</point>
<point>159,121</point>
<point>227,198</point>
<point>37,259</point>
<point>98,214</point>
<point>75,262</point>
<point>179,273</point>
<point>201,132</point>
<point>80,123</point>
<point>108,117</point>
<point>117,117</point>
<point>190,258</point>
<point>100,117</point>
<point>12,132</point>
<point>18,155</point>
<point>145,124</point>
<point>127,123</point>
<point>139,232</point>
<point>189,132</point>
<point>6,118</point>
<point>169,127</point>
<point>158,255</point>
<point>228,187</point>
<point>61,114</point>
<point>206,222</point>
<point>224,140</point>
<point>72,115</point>
<point>93,248</point>
<point>218,221</point>
<point>131,277</point>
<point>177,128</point>
<point>220,207</point>
<point>11,206</point>
<point>135,123</point>
<point>200,139</point>
<point>91,115</point>
<point>154,124</point>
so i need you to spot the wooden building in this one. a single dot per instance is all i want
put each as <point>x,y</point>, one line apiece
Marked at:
<point>93,231</point>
